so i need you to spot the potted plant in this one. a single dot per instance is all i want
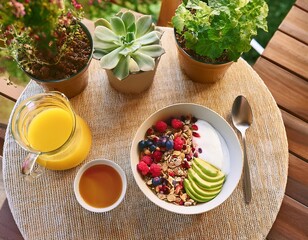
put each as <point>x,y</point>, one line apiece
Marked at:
<point>48,42</point>
<point>129,50</point>
<point>211,35</point>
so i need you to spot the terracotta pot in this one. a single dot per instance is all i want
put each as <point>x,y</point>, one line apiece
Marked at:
<point>134,83</point>
<point>72,85</point>
<point>167,11</point>
<point>199,71</point>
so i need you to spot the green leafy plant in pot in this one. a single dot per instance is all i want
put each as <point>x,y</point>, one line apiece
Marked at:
<point>48,41</point>
<point>129,49</point>
<point>213,34</point>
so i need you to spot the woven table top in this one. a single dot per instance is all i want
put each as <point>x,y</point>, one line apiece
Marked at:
<point>47,208</point>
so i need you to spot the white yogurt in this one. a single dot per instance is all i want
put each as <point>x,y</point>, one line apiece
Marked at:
<point>213,145</point>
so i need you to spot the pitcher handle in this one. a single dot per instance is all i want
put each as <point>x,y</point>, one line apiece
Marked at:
<point>28,167</point>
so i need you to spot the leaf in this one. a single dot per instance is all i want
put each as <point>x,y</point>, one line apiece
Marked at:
<point>105,34</point>
<point>102,45</point>
<point>110,60</point>
<point>98,54</point>
<point>133,66</point>
<point>153,51</point>
<point>144,62</point>
<point>149,38</point>
<point>143,25</point>
<point>178,23</point>
<point>130,49</point>
<point>121,71</point>
<point>130,37</point>
<point>118,26</point>
<point>209,49</point>
<point>102,22</point>
<point>128,19</point>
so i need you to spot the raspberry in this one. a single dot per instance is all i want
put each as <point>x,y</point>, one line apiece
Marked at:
<point>161,126</point>
<point>147,159</point>
<point>143,168</point>
<point>176,123</point>
<point>157,155</point>
<point>155,170</point>
<point>178,143</point>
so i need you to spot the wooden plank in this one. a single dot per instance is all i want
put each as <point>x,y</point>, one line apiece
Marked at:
<point>291,222</point>
<point>2,135</point>
<point>296,25</point>
<point>302,4</point>
<point>280,81</point>
<point>289,53</point>
<point>297,133</point>
<point>297,185</point>
<point>11,92</point>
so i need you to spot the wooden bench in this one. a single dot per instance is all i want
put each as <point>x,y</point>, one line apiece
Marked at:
<point>283,66</point>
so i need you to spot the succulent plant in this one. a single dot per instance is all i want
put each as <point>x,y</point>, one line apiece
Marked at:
<point>127,44</point>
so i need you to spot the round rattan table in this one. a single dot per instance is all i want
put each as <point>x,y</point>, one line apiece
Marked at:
<point>47,208</point>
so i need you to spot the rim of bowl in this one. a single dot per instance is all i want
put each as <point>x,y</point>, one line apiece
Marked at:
<point>226,190</point>
<point>95,162</point>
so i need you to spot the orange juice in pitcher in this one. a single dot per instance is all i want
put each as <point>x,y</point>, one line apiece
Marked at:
<point>46,126</point>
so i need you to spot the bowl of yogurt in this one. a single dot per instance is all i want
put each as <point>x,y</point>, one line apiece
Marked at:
<point>186,158</point>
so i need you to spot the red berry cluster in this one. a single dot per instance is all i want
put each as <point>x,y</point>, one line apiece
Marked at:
<point>148,164</point>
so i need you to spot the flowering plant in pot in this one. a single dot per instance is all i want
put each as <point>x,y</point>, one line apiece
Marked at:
<point>216,32</point>
<point>48,41</point>
<point>129,49</point>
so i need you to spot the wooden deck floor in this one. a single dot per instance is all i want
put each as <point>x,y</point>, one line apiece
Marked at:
<point>284,68</point>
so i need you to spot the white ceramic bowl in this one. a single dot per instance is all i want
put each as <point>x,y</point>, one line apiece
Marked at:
<point>221,126</point>
<point>93,163</point>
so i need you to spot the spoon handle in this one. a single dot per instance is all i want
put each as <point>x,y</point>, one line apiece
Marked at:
<point>247,182</point>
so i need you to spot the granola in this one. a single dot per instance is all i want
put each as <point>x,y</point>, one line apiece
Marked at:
<point>165,157</point>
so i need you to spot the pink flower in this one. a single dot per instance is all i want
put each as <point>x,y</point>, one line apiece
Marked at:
<point>18,8</point>
<point>76,4</point>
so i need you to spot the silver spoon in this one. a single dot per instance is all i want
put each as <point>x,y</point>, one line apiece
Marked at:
<point>242,119</point>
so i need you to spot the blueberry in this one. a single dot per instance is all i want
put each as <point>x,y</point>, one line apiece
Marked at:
<point>141,145</point>
<point>162,141</point>
<point>152,148</point>
<point>148,142</point>
<point>169,144</point>
<point>156,181</point>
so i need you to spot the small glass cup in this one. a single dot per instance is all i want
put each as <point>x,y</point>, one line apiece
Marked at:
<point>46,126</point>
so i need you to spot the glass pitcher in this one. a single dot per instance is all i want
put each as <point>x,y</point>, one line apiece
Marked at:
<point>56,138</point>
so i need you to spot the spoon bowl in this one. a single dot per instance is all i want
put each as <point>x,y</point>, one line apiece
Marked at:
<point>242,119</point>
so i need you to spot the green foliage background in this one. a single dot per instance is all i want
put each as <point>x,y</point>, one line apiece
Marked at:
<point>277,11</point>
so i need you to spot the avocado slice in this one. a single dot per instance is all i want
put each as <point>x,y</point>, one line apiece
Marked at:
<point>205,192</point>
<point>207,168</point>
<point>193,176</point>
<point>195,196</point>
<point>206,177</point>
